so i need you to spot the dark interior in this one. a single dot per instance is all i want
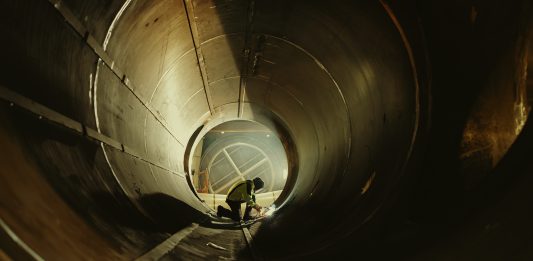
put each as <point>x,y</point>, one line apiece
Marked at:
<point>404,123</point>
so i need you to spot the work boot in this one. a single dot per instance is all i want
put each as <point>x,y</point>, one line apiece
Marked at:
<point>219,211</point>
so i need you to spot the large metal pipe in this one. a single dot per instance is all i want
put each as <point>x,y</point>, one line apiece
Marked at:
<point>345,84</point>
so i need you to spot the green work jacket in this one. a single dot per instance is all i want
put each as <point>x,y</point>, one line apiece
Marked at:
<point>243,191</point>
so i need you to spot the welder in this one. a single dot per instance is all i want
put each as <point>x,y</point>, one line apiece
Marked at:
<point>241,192</point>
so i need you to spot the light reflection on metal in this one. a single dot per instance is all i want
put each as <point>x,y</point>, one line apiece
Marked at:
<point>270,210</point>
<point>497,117</point>
<point>368,183</point>
<point>522,107</point>
<point>19,242</point>
<point>91,88</point>
<point>521,112</point>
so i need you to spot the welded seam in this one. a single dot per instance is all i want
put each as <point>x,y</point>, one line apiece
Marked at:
<point>190,99</point>
<point>318,63</point>
<point>161,66</point>
<point>225,78</point>
<point>113,24</point>
<point>95,95</point>
<point>193,29</point>
<point>52,116</point>
<point>102,55</point>
<point>13,236</point>
<point>276,84</point>
<point>167,72</point>
<point>100,51</point>
<point>182,56</point>
<point>127,83</point>
<point>246,59</point>
<point>417,105</point>
<point>348,151</point>
<point>417,109</point>
<point>414,71</point>
<point>321,66</point>
<point>218,37</point>
<point>104,46</point>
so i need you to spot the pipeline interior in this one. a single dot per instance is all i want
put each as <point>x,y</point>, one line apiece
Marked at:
<point>401,127</point>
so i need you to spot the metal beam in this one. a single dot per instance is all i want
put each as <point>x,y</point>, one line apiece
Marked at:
<point>228,157</point>
<point>193,28</point>
<point>243,176</point>
<point>247,54</point>
<point>255,166</point>
<point>48,115</point>
<point>99,50</point>
<point>249,241</point>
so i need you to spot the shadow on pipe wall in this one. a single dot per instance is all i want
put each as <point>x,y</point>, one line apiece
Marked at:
<point>351,94</point>
<point>59,195</point>
<point>461,208</point>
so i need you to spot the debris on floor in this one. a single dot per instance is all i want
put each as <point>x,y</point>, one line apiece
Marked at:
<point>216,246</point>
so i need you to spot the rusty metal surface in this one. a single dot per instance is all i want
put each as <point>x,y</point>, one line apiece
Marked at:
<point>38,215</point>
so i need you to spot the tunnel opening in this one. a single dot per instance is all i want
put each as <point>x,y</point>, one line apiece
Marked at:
<point>234,151</point>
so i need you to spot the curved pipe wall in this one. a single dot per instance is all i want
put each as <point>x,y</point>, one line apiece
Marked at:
<point>344,80</point>
<point>346,104</point>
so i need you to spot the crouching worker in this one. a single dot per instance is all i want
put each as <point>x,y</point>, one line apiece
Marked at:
<point>241,192</point>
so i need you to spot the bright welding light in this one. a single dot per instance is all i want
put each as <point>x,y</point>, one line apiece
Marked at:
<point>270,210</point>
